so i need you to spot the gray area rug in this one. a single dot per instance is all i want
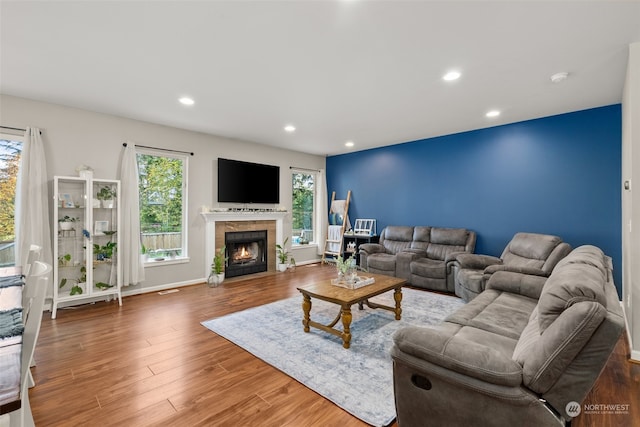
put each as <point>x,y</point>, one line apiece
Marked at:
<point>358,379</point>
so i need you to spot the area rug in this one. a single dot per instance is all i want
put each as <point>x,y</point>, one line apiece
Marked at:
<point>358,379</point>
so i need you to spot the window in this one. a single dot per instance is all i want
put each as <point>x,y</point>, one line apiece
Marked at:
<point>303,195</point>
<point>10,150</point>
<point>163,204</point>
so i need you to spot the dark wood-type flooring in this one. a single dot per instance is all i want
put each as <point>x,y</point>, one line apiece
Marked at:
<point>150,362</point>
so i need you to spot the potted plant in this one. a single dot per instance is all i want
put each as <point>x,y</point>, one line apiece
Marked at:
<point>144,255</point>
<point>106,195</point>
<point>216,276</point>
<point>105,251</point>
<point>66,222</point>
<point>283,255</point>
<point>79,282</point>
<point>346,268</point>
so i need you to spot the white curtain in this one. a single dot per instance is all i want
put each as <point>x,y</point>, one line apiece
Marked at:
<point>32,199</point>
<point>321,210</point>
<point>132,266</point>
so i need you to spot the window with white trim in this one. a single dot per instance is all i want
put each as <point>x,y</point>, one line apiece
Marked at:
<point>10,151</point>
<point>163,204</point>
<point>303,210</point>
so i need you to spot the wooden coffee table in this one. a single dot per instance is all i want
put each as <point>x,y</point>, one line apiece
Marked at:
<point>345,298</point>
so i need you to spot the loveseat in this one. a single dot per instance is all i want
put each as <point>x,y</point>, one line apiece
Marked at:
<point>526,351</point>
<point>417,254</point>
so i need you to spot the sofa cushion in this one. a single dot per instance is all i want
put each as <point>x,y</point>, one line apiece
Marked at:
<point>569,284</point>
<point>529,249</point>
<point>489,310</point>
<point>385,262</point>
<point>426,267</point>
<point>398,232</point>
<point>438,251</point>
<point>449,236</point>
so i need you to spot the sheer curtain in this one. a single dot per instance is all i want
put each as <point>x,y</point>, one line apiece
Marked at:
<point>321,210</point>
<point>132,267</point>
<point>32,199</point>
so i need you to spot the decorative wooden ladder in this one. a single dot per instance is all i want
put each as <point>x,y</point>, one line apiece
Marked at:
<point>331,243</point>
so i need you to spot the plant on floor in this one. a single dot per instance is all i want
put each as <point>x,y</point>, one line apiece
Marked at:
<point>219,260</point>
<point>281,251</point>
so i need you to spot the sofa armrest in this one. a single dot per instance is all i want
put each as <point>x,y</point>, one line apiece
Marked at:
<point>476,261</point>
<point>515,269</point>
<point>517,283</point>
<point>403,261</point>
<point>371,248</point>
<point>444,348</point>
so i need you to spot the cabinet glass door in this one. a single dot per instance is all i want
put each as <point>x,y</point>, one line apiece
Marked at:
<point>71,214</point>
<point>105,235</point>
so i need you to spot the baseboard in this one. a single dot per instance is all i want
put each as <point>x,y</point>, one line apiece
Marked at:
<point>129,292</point>
<point>144,290</point>
<point>635,354</point>
<point>311,261</point>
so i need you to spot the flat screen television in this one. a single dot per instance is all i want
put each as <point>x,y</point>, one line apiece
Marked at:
<point>245,182</point>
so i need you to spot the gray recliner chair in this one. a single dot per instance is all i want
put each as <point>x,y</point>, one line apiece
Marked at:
<point>527,253</point>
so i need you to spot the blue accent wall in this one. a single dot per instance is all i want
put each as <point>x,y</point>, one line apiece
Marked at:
<point>556,175</point>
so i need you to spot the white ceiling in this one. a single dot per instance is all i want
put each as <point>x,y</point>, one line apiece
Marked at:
<point>366,71</point>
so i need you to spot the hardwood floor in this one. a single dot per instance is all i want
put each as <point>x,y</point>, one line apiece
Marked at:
<point>150,362</point>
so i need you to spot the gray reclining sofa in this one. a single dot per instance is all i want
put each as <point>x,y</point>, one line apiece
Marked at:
<point>526,351</point>
<point>418,254</point>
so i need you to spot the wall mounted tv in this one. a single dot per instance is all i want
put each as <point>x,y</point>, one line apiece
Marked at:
<point>244,182</point>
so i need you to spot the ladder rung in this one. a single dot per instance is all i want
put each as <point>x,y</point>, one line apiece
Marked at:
<point>333,241</point>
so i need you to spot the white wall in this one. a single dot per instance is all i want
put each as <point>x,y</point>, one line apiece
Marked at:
<point>74,137</point>
<point>631,199</point>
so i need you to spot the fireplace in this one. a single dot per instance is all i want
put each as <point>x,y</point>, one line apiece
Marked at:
<point>246,252</point>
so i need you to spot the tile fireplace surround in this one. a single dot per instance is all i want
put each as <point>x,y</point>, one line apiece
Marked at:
<point>217,222</point>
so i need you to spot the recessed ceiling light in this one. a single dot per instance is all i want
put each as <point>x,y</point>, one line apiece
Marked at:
<point>493,113</point>
<point>349,144</point>
<point>559,77</point>
<point>185,100</point>
<point>290,128</point>
<point>451,75</point>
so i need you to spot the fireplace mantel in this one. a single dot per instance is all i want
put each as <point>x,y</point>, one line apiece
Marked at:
<point>210,219</point>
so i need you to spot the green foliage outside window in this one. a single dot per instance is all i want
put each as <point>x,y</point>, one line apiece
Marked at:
<point>160,193</point>
<point>9,161</point>
<point>302,212</point>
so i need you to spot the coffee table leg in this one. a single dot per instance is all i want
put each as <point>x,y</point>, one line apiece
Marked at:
<point>346,323</point>
<point>397,296</point>
<point>306,308</point>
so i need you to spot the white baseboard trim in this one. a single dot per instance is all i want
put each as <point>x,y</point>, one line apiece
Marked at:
<point>311,261</point>
<point>128,292</point>
<point>635,354</point>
